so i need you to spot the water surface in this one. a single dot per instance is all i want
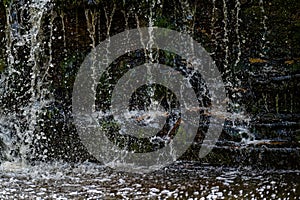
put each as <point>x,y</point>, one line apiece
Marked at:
<point>182,180</point>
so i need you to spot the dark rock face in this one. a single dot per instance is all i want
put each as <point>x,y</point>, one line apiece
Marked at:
<point>255,46</point>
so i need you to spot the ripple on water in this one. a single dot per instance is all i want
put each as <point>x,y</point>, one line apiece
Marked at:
<point>181,180</point>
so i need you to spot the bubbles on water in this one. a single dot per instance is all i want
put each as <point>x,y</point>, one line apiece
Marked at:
<point>61,180</point>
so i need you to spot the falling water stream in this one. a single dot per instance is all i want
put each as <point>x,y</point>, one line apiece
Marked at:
<point>23,60</point>
<point>41,157</point>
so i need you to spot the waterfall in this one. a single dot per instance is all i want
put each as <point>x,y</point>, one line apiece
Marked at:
<point>149,99</point>
<point>24,80</point>
<point>46,41</point>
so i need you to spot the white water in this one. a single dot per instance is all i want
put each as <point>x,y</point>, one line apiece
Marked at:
<point>65,181</point>
<point>61,180</point>
<point>21,138</point>
<point>18,126</point>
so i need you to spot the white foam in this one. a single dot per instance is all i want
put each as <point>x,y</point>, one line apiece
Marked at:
<point>13,166</point>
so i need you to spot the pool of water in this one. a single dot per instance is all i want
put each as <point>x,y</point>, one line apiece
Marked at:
<point>182,180</point>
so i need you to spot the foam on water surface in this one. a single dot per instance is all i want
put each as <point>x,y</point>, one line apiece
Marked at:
<point>182,180</point>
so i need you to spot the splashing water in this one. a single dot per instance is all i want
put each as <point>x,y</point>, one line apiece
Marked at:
<point>27,97</point>
<point>33,61</point>
<point>45,42</point>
